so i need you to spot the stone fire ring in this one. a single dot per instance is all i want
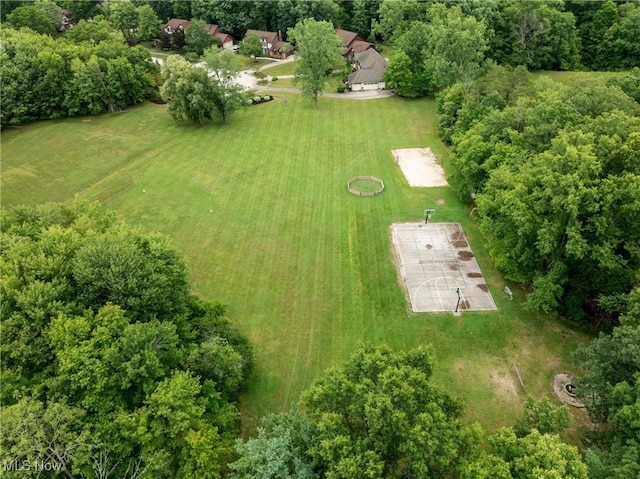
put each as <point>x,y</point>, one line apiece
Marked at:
<point>560,383</point>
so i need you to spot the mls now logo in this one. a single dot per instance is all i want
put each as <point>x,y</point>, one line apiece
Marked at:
<point>28,465</point>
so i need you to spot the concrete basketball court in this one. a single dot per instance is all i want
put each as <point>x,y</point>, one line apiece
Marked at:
<point>435,260</point>
<point>420,167</point>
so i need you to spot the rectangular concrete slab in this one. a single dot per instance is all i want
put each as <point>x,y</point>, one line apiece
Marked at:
<point>420,167</point>
<point>437,266</point>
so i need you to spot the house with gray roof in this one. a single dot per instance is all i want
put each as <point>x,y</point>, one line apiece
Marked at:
<point>370,67</point>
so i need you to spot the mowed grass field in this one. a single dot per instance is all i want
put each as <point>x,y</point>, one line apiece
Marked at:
<point>260,208</point>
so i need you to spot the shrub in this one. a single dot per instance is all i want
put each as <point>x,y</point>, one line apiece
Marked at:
<point>193,57</point>
<point>262,82</point>
<point>274,78</point>
<point>341,88</point>
<point>257,99</point>
<point>267,98</point>
<point>259,74</point>
<point>249,102</point>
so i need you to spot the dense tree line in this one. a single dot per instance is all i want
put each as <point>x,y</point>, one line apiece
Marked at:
<point>610,388</point>
<point>555,172</point>
<point>88,71</point>
<point>379,415</point>
<point>110,366</point>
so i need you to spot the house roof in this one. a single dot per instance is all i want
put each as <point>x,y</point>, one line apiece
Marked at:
<point>283,47</point>
<point>177,24</point>
<point>347,37</point>
<point>371,66</point>
<point>224,37</point>
<point>269,37</point>
<point>367,75</point>
<point>369,58</point>
<point>212,29</point>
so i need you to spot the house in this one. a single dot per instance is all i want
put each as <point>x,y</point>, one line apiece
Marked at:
<point>225,39</point>
<point>175,25</point>
<point>272,44</point>
<point>353,43</point>
<point>67,20</point>
<point>370,67</point>
<point>179,25</point>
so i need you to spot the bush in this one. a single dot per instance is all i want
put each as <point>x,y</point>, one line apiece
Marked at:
<point>267,98</point>
<point>341,88</point>
<point>257,99</point>
<point>193,57</point>
<point>259,74</point>
<point>274,78</point>
<point>262,82</point>
<point>248,102</point>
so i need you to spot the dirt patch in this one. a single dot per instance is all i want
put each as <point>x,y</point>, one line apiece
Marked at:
<point>460,244</point>
<point>454,267</point>
<point>483,287</point>
<point>429,246</point>
<point>440,202</point>
<point>464,304</point>
<point>504,384</point>
<point>474,275</point>
<point>465,255</point>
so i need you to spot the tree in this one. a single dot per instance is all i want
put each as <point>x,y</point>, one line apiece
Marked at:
<point>123,15</point>
<point>227,93</point>
<point>542,416</point>
<point>86,381</point>
<point>280,450</point>
<point>251,46</point>
<point>188,90</point>
<point>148,23</point>
<point>456,45</point>
<point>96,31</point>
<point>537,455</point>
<point>319,53</point>
<point>407,73</point>
<point>51,436</point>
<point>380,416</point>
<point>196,37</point>
<point>33,17</point>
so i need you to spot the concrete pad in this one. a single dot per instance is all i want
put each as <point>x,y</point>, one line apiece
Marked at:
<point>435,262</point>
<point>420,167</point>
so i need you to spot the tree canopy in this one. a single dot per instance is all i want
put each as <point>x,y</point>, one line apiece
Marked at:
<point>554,170</point>
<point>194,94</point>
<point>319,52</point>
<point>45,78</point>
<point>379,415</point>
<point>109,363</point>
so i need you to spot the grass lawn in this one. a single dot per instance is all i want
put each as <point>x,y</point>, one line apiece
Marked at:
<point>287,68</point>
<point>570,77</point>
<point>333,81</point>
<point>260,208</point>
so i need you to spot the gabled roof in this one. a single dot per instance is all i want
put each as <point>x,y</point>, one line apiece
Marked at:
<point>177,24</point>
<point>269,37</point>
<point>367,75</point>
<point>212,29</point>
<point>224,37</point>
<point>347,37</point>
<point>369,58</point>
<point>371,66</point>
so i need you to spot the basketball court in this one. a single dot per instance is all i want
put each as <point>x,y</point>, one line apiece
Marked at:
<point>439,269</point>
